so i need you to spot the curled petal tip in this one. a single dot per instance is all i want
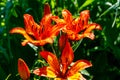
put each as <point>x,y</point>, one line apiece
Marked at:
<point>65,12</point>
<point>24,42</point>
<point>17,30</point>
<point>78,66</point>
<point>67,15</point>
<point>85,12</point>
<point>98,27</point>
<point>91,36</point>
<point>36,71</point>
<point>89,64</point>
<point>27,15</point>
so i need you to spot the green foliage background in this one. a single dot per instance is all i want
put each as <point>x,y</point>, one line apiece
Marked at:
<point>103,52</point>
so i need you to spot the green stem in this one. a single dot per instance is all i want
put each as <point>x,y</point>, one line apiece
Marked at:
<point>41,48</point>
<point>8,77</point>
<point>75,46</point>
<point>53,49</point>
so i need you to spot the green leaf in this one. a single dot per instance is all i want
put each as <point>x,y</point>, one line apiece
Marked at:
<point>116,5</point>
<point>86,3</point>
<point>2,3</point>
<point>8,77</point>
<point>4,53</point>
<point>76,45</point>
<point>85,72</point>
<point>14,12</point>
<point>2,73</point>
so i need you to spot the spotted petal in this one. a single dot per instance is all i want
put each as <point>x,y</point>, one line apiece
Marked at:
<point>31,26</point>
<point>84,17</point>
<point>66,57</point>
<point>92,26</point>
<point>77,66</point>
<point>51,59</point>
<point>76,76</point>
<point>46,72</point>
<point>67,15</point>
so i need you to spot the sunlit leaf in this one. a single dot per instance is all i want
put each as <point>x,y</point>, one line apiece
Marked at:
<point>86,3</point>
<point>85,72</point>
<point>116,5</point>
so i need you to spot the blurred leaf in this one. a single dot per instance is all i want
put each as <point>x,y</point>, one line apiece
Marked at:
<point>1,29</point>
<point>86,3</point>
<point>8,77</point>
<point>116,51</point>
<point>2,3</point>
<point>85,72</point>
<point>14,12</point>
<point>112,35</point>
<point>116,5</point>
<point>2,73</point>
<point>28,10</point>
<point>3,51</point>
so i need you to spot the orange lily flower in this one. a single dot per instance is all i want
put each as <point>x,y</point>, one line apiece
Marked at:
<point>77,28</point>
<point>38,34</point>
<point>23,69</point>
<point>61,70</point>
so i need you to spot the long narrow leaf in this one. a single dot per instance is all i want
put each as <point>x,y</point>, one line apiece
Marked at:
<point>75,46</point>
<point>86,3</point>
<point>110,8</point>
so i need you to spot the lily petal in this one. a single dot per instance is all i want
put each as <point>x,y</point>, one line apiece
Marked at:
<point>92,26</point>
<point>23,69</point>
<point>81,36</point>
<point>89,35</point>
<point>21,31</point>
<point>18,30</point>
<point>51,32</point>
<point>46,22</point>
<point>74,36</point>
<point>66,57</point>
<point>31,27</point>
<point>84,17</point>
<point>38,42</point>
<point>67,15</point>
<point>77,66</point>
<point>62,41</point>
<point>47,9</point>
<point>76,76</point>
<point>59,79</point>
<point>46,72</point>
<point>28,38</point>
<point>58,20</point>
<point>51,59</point>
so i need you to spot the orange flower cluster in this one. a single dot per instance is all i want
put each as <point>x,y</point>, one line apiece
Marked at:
<point>45,32</point>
